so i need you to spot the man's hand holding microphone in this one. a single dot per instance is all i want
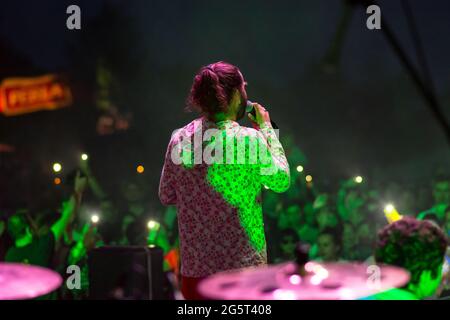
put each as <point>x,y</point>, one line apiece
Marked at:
<point>258,115</point>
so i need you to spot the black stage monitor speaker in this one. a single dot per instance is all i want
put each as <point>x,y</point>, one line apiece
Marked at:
<point>126,273</point>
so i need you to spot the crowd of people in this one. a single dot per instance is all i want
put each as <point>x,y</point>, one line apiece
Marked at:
<point>339,226</point>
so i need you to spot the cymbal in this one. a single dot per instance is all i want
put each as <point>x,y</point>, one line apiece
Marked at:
<point>20,281</point>
<point>322,281</point>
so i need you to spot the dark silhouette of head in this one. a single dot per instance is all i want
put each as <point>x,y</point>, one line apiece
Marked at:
<point>417,246</point>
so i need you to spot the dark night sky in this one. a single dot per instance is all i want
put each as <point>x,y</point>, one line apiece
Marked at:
<point>368,116</point>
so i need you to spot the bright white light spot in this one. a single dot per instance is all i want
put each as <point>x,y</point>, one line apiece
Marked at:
<point>358,179</point>
<point>389,208</point>
<point>295,279</point>
<point>95,218</point>
<point>346,294</point>
<point>84,157</point>
<point>309,266</point>
<point>281,294</point>
<point>299,168</point>
<point>57,167</point>
<point>323,273</point>
<point>151,224</point>
<point>316,280</point>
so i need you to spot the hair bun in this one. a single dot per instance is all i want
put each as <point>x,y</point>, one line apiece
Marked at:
<point>213,87</point>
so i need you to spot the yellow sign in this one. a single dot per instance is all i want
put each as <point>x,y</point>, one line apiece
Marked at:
<point>24,95</point>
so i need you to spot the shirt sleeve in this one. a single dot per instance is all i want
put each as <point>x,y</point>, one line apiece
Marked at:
<point>274,172</point>
<point>167,193</point>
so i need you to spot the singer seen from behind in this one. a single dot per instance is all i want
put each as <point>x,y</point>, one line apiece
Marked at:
<point>214,172</point>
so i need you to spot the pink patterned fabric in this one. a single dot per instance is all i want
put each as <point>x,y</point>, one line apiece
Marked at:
<point>220,227</point>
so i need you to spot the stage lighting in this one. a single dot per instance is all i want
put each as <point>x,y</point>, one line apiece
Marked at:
<point>295,279</point>
<point>57,181</point>
<point>308,178</point>
<point>389,208</point>
<point>84,157</point>
<point>391,213</point>
<point>358,179</point>
<point>283,294</point>
<point>152,224</point>
<point>140,169</point>
<point>153,227</point>
<point>57,167</point>
<point>95,218</point>
<point>299,168</point>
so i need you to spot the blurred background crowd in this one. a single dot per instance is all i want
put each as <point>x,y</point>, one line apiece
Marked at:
<point>338,221</point>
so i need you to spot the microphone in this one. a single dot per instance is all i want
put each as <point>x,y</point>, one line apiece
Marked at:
<point>250,109</point>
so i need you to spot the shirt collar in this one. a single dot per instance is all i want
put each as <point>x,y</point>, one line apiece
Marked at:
<point>225,124</point>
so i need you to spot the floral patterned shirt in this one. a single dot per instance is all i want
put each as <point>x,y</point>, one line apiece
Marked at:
<point>219,202</point>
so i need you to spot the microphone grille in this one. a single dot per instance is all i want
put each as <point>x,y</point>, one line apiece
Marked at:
<point>249,107</point>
